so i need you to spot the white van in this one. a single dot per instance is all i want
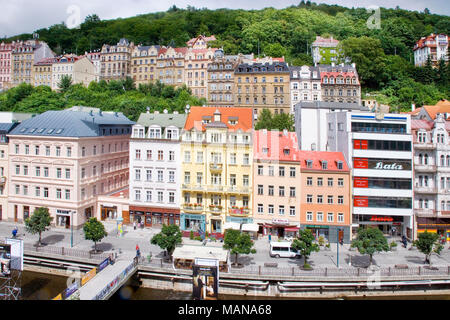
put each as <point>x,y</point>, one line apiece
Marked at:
<point>283,250</point>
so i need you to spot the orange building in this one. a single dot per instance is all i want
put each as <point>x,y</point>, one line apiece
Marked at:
<point>325,206</point>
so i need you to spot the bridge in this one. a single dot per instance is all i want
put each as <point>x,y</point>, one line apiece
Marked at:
<point>108,281</point>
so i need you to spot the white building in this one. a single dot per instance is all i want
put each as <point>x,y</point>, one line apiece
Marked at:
<point>305,85</point>
<point>435,46</point>
<point>378,147</point>
<point>311,123</point>
<point>79,68</point>
<point>155,188</point>
<point>432,175</point>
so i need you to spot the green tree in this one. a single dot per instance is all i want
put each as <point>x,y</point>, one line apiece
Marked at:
<point>94,230</point>
<point>238,243</point>
<point>168,238</point>
<point>274,122</point>
<point>265,120</point>
<point>369,241</point>
<point>39,222</point>
<point>65,83</point>
<point>427,243</point>
<point>305,244</point>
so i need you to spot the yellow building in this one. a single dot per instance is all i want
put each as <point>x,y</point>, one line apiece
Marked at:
<point>216,156</point>
<point>42,75</point>
<point>116,61</point>
<point>143,64</point>
<point>170,66</point>
<point>263,84</point>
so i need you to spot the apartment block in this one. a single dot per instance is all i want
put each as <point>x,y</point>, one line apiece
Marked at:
<point>434,46</point>
<point>143,64</point>
<point>116,60</point>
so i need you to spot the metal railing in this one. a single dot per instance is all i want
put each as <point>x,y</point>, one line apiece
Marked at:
<point>62,251</point>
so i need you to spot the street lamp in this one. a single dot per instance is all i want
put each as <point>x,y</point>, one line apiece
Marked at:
<point>71,228</point>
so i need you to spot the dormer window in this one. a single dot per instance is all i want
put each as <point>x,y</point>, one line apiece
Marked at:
<point>324,165</point>
<point>265,150</point>
<point>340,165</point>
<point>309,164</point>
<point>286,151</point>
<point>155,133</point>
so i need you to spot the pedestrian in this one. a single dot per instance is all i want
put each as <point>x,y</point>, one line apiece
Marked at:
<point>270,237</point>
<point>134,225</point>
<point>138,251</point>
<point>142,224</point>
<point>14,232</point>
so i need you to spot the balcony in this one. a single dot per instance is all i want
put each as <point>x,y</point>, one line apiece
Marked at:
<point>216,167</point>
<point>424,168</point>
<point>238,190</point>
<point>425,190</point>
<point>239,212</point>
<point>215,188</point>
<point>215,209</point>
<point>425,212</point>
<point>424,145</point>
<point>193,207</point>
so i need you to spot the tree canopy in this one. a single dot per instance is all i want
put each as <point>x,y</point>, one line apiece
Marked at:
<point>168,238</point>
<point>305,244</point>
<point>94,230</point>
<point>427,243</point>
<point>369,241</point>
<point>238,243</point>
<point>39,222</point>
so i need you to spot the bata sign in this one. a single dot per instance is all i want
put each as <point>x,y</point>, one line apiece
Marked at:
<point>392,166</point>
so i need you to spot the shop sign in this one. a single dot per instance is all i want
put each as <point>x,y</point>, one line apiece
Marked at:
<point>316,227</point>
<point>377,164</point>
<point>280,221</point>
<point>361,182</point>
<point>62,212</point>
<point>381,219</point>
<point>361,202</point>
<point>386,166</point>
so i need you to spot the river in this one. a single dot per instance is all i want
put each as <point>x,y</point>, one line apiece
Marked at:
<point>40,286</point>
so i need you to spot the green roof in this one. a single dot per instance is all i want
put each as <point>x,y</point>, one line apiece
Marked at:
<point>162,119</point>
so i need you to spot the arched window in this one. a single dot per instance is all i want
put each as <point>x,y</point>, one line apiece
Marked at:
<point>425,159</point>
<point>442,160</point>
<point>448,161</point>
<point>420,203</point>
<point>420,158</point>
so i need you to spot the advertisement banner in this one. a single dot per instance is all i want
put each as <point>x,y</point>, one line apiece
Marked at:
<point>103,264</point>
<point>16,253</point>
<point>58,297</point>
<point>205,284</point>
<point>70,290</point>
<point>361,202</point>
<point>381,164</point>
<point>359,182</point>
<point>88,276</point>
<point>5,260</point>
<point>360,163</point>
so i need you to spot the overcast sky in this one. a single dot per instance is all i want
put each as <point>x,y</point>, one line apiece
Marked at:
<point>26,16</point>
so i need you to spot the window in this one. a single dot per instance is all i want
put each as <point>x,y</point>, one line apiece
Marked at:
<point>58,173</point>
<point>330,199</point>
<point>160,155</point>
<point>324,165</point>
<point>67,192</point>
<point>309,198</point>
<point>37,191</point>
<point>270,209</point>
<point>309,216</point>
<point>171,155</point>
<point>58,194</point>
<point>149,196</point>
<point>340,217</point>
<point>47,150</point>
<point>160,196</point>
<point>260,208</point>
<point>319,216</point>
<point>340,182</point>
<point>46,192</point>
<point>137,174</point>
<point>36,150</point>
<point>340,199</point>
<point>160,176</point>
<point>319,182</point>
<point>319,199</point>
<point>17,169</point>
<point>246,159</point>
<point>281,171</point>
<point>330,217</point>
<point>260,189</point>
<point>233,159</point>
<point>270,190</point>
<point>38,171</point>
<point>309,181</point>
<point>137,154</point>
<point>137,195</point>
<point>171,176</point>
<point>281,191</point>
<point>27,149</point>
<point>291,211</point>
<point>83,151</point>
<point>260,170</point>
<point>171,197</point>
<point>16,146</point>
<point>149,154</point>
<point>245,180</point>
<point>187,177</point>
<point>187,156</point>
<point>281,210</point>
<point>45,171</point>
<point>271,172</point>
<point>69,151</point>
<point>199,178</point>
<point>330,182</point>
<point>292,172</point>
<point>292,192</point>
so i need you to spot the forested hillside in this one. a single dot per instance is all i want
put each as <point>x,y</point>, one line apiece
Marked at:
<point>383,56</point>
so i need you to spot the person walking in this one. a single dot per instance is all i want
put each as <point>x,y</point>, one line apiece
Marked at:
<point>138,251</point>
<point>134,225</point>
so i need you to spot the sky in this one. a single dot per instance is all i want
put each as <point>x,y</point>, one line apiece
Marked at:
<point>26,16</point>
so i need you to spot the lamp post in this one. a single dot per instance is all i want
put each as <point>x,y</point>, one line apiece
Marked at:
<point>71,228</point>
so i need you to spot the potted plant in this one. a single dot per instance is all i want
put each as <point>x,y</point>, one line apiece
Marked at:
<point>393,246</point>
<point>321,241</point>
<point>327,246</point>
<point>191,235</point>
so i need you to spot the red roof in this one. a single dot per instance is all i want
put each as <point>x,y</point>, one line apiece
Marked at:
<point>318,157</point>
<point>421,124</point>
<point>243,116</point>
<point>275,145</point>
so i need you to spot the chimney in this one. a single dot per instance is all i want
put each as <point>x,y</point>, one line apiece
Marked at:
<point>413,107</point>
<point>285,132</point>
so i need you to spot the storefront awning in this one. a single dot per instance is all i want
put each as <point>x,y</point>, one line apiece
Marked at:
<point>253,227</point>
<point>232,225</point>
<point>291,229</point>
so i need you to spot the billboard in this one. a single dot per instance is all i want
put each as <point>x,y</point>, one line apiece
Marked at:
<point>88,276</point>
<point>5,260</point>
<point>205,275</point>
<point>16,253</point>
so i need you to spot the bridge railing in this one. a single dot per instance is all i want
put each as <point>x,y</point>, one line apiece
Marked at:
<point>62,251</point>
<point>117,281</point>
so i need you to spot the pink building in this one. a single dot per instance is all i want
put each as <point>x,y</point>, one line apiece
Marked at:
<point>5,64</point>
<point>63,160</point>
<point>276,184</point>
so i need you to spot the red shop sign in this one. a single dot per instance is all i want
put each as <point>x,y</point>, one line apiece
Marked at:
<point>381,219</point>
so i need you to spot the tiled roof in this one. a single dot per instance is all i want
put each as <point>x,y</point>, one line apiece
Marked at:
<point>325,42</point>
<point>275,145</point>
<point>69,123</point>
<point>421,124</point>
<point>196,115</point>
<point>442,106</point>
<point>318,157</point>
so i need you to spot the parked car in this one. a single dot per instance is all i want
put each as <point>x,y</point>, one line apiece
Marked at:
<point>283,250</point>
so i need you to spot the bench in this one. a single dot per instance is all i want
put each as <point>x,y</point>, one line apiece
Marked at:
<point>270,264</point>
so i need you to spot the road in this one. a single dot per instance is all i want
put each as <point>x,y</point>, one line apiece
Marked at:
<point>126,245</point>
